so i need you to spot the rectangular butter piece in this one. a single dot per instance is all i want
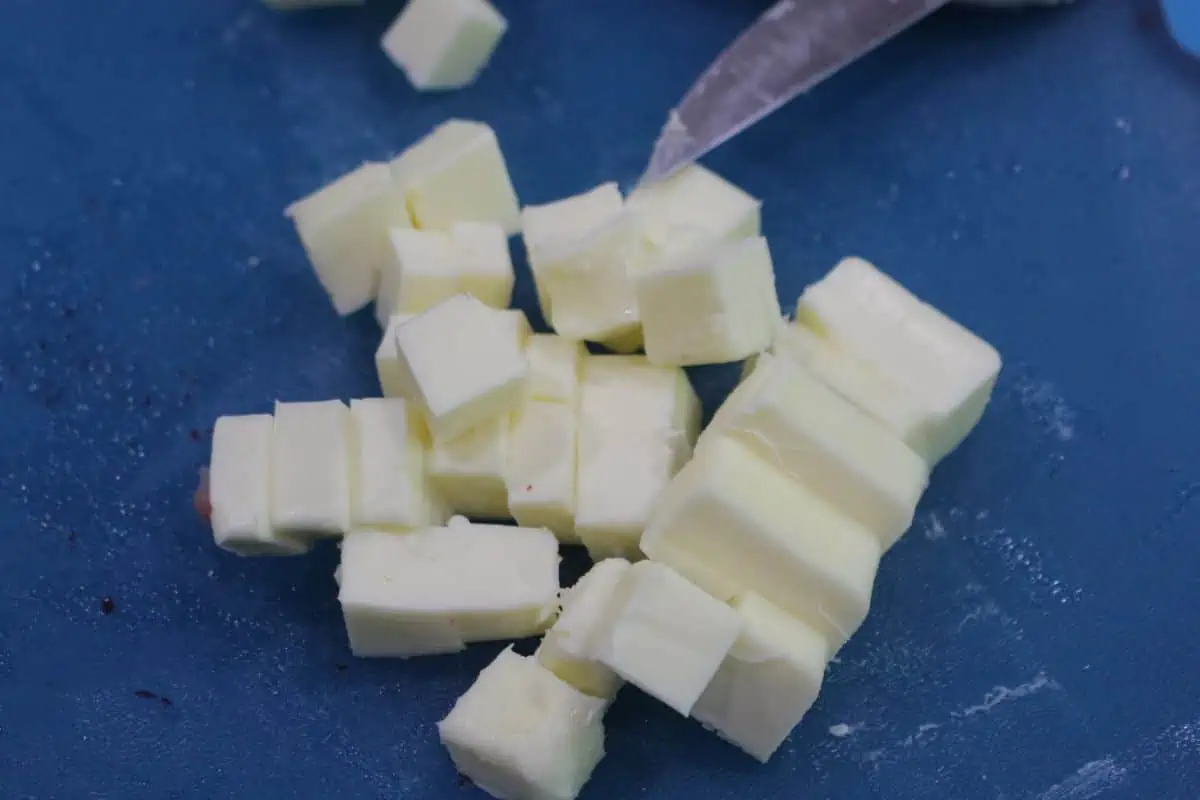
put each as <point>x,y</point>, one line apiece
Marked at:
<point>310,469</point>
<point>667,637</point>
<point>389,489</point>
<point>468,470</point>
<point>521,733</point>
<point>874,319</point>
<point>392,379</point>
<point>444,44</point>
<point>540,472</point>
<point>484,265</point>
<point>767,683</point>
<point>435,590</point>
<point>420,272</point>
<point>555,365</point>
<point>694,208</point>
<point>815,436</point>
<point>733,523</point>
<point>344,229</point>
<point>240,489</point>
<point>569,648</point>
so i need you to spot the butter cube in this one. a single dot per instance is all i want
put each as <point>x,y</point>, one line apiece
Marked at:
<point>464,363</point>
<point>520,733</point>
<point>733,523</point>
<point>552,225</point>
<point>240,489</point>
<point>457,174</point>
<point>444,44</point>
<point>420,273</point>
<point>392,380</point>
<point>667,637</point>
<point>468,469</point>
<point>946,368</point>
<point>710,307</point>
<point>569,648</point>
<point>767,683</point>
<point>815,436</point>
<point>555,365</point>
<point>540,474</point>
<point>389,489</point>
<point>589,283</point>
<point>484,265</point>
<point>344,229</point>
<point>894,405</point>
<point>629,393</point>
<point>438,589</point>
<point>310,469</point>
<point>694,208</point>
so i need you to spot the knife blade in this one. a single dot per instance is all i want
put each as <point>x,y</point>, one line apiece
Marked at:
<point>791,48</point>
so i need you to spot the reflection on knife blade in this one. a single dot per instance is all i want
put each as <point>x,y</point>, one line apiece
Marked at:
<point>792,47</point>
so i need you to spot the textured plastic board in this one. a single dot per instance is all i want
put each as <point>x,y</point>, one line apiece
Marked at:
<point>1035,174</point>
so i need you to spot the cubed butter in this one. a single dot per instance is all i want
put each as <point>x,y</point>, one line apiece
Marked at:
<point>344,229</point>
<point>310,469</point>
<point>444,44</point>
<point>468,470</point>
<point>419,273</point>
<point>387,359</point>
<point>457,174</point>
<point>695,207</point>
<point>239,488</point>
<point>540,474</point>
<point>733,523</point>
<point>767,683</point>
<point>520,733</point>
<point>484,265</point>
<point>389,489</point>
<point>946,368</point>
<point>555,365</point>
<point>464,363</point>
<point>666,636</point>
<point>629,393</point>
<point>552,225</point>
<point>813,435</point>
<point>435,590</point>
<point>589,283</point>
<point>569,648</point>
<point>710,307</point>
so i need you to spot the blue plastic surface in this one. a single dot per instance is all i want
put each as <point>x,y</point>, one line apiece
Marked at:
<point>1035,174</point>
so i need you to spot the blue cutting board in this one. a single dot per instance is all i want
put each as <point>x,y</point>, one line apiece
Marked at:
<point>1036,175</point>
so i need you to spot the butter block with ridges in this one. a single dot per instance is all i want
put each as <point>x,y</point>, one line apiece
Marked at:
<point>540,472</point>
<point>457,173</point>
<point>485,267</point>
<point>438,589</point>
<point>694,208</point>
<point>589,283</point>
<point>710,307</point>
<point>389,488</point>
<point>893,404</point>
<point>949,370</point>
<point>464,363</point>
<point>310,469</point>
<point>240,488</point>
<point>520,733</point>
<point>444,44</point>
<point>555,366</point>
<point>667,637</point>
<point>468,470</point>
<point>344,229</point>
<point>733,523</point>
<point>569,648</point>
<point>768,682</point>
<point>813,435</point>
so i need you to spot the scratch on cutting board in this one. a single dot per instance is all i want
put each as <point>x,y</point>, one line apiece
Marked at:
<point>1090,780</point>
<point>1003,694</point>
<point>1041,400</point>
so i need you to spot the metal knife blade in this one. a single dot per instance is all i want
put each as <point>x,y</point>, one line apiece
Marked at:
<point>791,48</point>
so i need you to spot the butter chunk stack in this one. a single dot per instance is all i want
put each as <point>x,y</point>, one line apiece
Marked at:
<point>454,183</point>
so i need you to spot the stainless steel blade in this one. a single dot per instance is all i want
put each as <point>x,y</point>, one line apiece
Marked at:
<point>792,47</point>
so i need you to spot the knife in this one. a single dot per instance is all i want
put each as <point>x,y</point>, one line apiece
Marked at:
<point>791,48</point>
